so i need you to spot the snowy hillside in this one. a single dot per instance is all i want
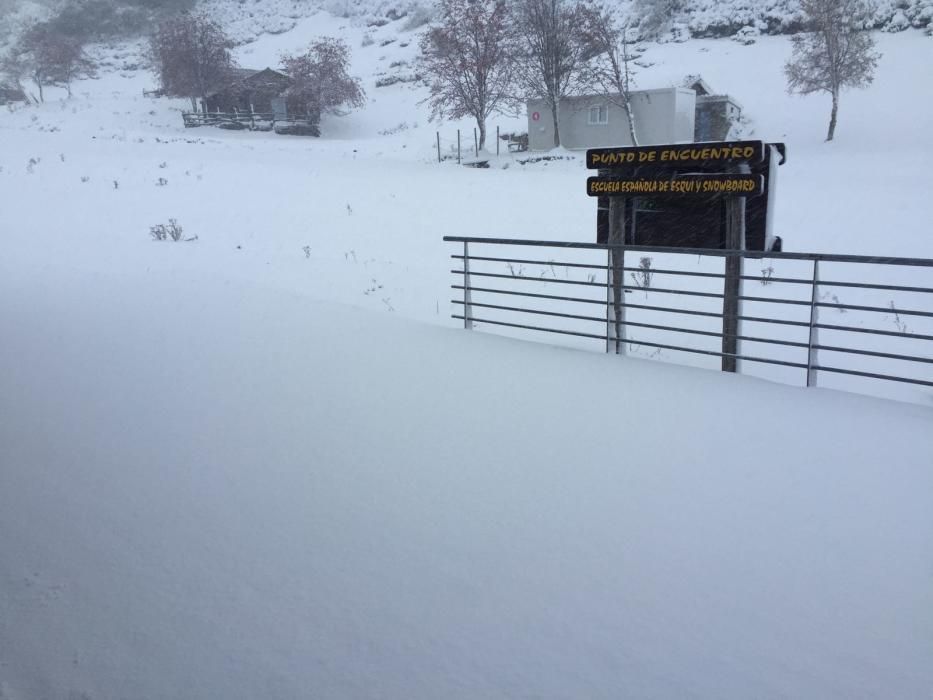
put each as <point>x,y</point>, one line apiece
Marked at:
<point>263,463</point>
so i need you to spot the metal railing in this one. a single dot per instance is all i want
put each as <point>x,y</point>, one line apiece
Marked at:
<point>787,324</point>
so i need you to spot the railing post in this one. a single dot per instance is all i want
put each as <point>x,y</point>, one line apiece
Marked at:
<point>438,146</point>
<point>467,299</point>
<point>812,350</point>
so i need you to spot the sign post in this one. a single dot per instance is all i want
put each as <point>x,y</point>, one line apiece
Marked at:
<point>617,273</point>
<point>732,284</point>
<point>698,195</point>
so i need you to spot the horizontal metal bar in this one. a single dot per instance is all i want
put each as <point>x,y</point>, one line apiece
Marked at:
<point>713,275</point>
<point>531,243</point>
<point>856,285</point>
<point>714,314</point>
<point>598,319</point>
<point>775,321</point>
<point>688,312</point>
<point>683,292</point>
<point>530,328</point>
<point>874,331</point>
<point>792,302</point>
<point>769,280</point>
<point>714,334</point>
<point>685,273</point>
<point>549,280</point>
<point>875,353</point>
<point>714,353</point>
<point>715,252</point>
<point>874,375</point>
<point>716,275</point>
<point>869,285</point>
<point>544,263</point>
<point>601,302</point>
<point>878,309</point>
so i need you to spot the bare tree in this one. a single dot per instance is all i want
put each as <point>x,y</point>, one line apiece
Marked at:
<point>321,81</point>
<point>48,57</point>
<point>837,53</point>
<point>611,55</point>
<point>191,55</point>
<point>549,54</point>
<point>467,60</point>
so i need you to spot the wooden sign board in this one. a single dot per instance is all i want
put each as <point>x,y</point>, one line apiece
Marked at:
<point>676,185</point>
<point>709,154</point>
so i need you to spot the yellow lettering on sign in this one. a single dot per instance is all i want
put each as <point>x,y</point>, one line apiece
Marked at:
<point>688,185</point>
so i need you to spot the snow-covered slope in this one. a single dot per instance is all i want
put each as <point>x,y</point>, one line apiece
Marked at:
<point>210,488</point>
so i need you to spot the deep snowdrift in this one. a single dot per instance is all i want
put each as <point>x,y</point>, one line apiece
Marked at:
<point>210,489</point>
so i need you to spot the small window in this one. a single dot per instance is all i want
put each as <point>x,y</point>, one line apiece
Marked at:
<point>599,114</point>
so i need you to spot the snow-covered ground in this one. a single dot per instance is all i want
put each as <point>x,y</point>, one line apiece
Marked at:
<point>228,468</point>
<point>213,489</point>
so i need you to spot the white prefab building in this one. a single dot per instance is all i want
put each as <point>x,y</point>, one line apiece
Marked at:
<point>666,115</point>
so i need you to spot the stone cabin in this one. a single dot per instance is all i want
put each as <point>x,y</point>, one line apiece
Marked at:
<point>257,91</point>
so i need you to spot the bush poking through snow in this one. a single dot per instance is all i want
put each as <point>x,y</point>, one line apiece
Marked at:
<point>172,231</point>
<point>642,277</point>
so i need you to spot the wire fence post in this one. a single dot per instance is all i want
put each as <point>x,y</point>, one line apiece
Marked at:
<point>475,143</point>
<point>498,140</point>
<point>812,345</point>
<point>458,146</point>
<point>467,300</point>
<point>438,146</point>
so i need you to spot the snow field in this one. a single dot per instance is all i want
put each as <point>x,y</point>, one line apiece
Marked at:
<point>213,488</point>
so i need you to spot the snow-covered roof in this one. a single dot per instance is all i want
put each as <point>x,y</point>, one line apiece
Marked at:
<point>240,75</point>
<point>697,84</point>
